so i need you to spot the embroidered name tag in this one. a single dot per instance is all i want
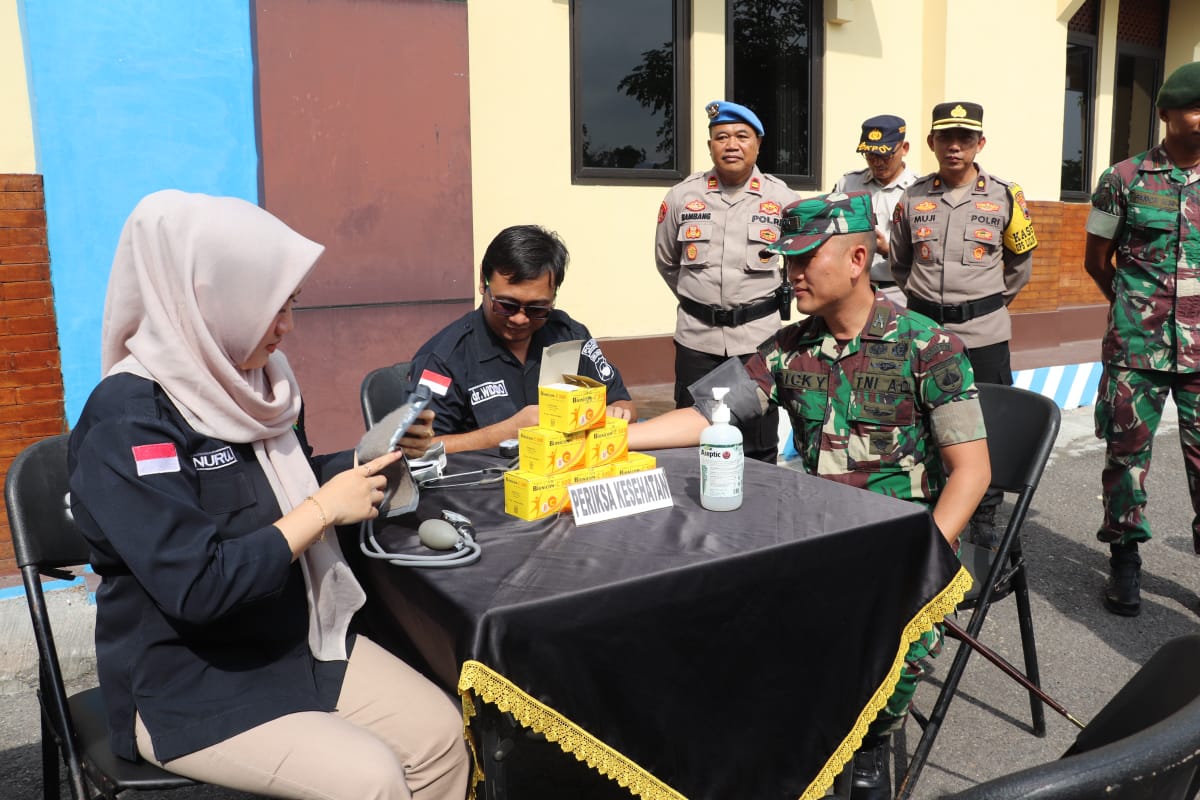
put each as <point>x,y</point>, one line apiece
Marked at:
<point>487,391</point>
<point>214,459</point>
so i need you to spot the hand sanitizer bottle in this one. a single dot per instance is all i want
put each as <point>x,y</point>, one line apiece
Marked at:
<point>721,460</point>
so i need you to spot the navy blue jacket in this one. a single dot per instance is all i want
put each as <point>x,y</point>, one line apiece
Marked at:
<point>488,383</point>
<point>201,616</point>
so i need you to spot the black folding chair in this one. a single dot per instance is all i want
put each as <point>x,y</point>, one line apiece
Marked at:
<point>46,541</point>
<point>1022,427</point>
<point>1141,746</point>
<point>383,390</point>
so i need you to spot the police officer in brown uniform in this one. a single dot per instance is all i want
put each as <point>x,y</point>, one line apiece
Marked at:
<point>711,230</point>
<point>961,248</point>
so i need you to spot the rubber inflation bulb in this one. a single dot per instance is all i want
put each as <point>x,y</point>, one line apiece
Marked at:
<point>437,534</point>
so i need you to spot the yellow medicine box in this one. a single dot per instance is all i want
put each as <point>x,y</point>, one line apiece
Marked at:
<point>549,452</point>
<point>608,444</point>
<point>584,475</point>
<point>576,404</point>
<point>531,496</point>
<point>634,462</point>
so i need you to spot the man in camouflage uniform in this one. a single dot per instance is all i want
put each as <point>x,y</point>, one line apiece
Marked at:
<point>1143,251</point>
<point>712,228</point>
<point>961,248</point>
<point>880,398</point>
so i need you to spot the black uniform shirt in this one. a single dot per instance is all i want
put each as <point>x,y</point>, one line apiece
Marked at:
<point>201,616</point>
<point>487,382</point>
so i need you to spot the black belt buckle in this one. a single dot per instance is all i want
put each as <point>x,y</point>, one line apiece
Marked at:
<point>722,317</point>
<point>956,314</point>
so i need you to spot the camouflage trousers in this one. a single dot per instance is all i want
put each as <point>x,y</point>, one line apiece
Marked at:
<point>891,717</point>
<point>1128,409</point>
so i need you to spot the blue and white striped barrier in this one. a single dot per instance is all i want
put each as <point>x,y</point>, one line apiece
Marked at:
<point>1069,386</point>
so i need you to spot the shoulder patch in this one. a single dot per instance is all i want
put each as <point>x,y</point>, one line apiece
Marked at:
<point>437,383</point>
<point>1019,236</point>
<point>592,352</point>
<point>947,375</point>
<point>155,459</point>
<point>662,212</point>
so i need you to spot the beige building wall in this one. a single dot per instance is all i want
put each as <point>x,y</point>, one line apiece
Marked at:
<point>16,123</point>
<point>881,56</point>
<point>1183,35</point>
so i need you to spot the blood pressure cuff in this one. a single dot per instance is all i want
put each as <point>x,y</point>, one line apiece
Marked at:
<point>744,398</point>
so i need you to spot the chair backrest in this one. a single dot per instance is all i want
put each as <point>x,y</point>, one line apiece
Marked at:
<point>383,390</point>
<point>44,534</point>
<point>1141,746</point>
<point>1021,426</point>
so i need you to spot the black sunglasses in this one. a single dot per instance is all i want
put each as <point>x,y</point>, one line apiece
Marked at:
<point>510,308</point>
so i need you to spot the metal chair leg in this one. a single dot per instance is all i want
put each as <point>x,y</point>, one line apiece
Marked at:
<point>1029,647</point>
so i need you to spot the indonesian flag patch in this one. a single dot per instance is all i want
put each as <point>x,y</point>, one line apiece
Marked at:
<point>155,459</point>
<point>438,384</point>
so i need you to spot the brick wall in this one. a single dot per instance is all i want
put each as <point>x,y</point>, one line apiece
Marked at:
<point>31,393</point>
<point>1059,280</point>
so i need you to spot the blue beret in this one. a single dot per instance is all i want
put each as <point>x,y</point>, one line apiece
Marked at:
<point>722,111</point>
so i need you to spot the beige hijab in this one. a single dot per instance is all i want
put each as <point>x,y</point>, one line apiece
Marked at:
<point>195,284</point>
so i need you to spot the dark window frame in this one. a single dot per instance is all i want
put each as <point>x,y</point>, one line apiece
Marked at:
<point>1090,41</point>
<point>1158,56</point>
<point>681,40</point>
<point>816,32</point>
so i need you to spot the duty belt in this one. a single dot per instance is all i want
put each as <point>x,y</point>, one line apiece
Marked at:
<point>963,312</point>
<point>730,317</point>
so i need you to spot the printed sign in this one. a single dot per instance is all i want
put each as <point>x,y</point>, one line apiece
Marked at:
<point>610,498</point>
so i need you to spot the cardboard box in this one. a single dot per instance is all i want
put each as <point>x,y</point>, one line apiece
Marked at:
<point>550,452</point>
<point>531,496</point>
<point>575,404</point>
<point>607,444</point>
<point>634,462</point>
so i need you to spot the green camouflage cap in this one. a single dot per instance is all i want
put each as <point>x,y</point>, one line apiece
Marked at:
<point>807,224</point>
<point>1182,88</point>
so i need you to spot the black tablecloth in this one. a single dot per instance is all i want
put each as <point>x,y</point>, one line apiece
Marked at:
<point>682,652</point>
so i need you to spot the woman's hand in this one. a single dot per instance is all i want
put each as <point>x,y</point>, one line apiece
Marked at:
<point>419,436</point>
<point>353,495</point>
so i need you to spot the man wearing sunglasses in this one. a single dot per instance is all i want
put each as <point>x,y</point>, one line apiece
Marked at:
<point>483,368</point>
<point>886,176</point>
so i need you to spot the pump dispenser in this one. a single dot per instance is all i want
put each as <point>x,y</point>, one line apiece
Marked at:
<point>721,460</point>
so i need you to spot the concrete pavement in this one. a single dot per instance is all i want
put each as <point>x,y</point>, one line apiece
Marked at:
<point>1085,652</point>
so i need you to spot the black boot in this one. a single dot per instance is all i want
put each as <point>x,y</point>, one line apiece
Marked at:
<point>872,781</point>
<point>983,528</point>
<point>1122,593</point>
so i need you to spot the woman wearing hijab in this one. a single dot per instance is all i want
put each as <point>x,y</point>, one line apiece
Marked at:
<point>222,614</point>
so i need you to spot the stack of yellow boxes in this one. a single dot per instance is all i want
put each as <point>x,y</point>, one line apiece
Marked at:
<point>573,442</point>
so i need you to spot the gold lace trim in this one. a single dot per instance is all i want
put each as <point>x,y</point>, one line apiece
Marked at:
<point>540,718</point>
<point>493,688</point>
<point>944,603</point>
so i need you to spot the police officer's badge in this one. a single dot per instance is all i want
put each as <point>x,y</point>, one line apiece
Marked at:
<point>875,135</point>
<point>712,109</point>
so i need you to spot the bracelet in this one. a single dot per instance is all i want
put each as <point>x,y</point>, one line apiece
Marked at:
<point>324,519</point>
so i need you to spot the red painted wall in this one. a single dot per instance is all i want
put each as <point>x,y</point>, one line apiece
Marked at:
<point>365,140</point>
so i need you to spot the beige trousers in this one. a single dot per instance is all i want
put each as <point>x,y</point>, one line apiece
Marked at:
<point>394,736</point>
